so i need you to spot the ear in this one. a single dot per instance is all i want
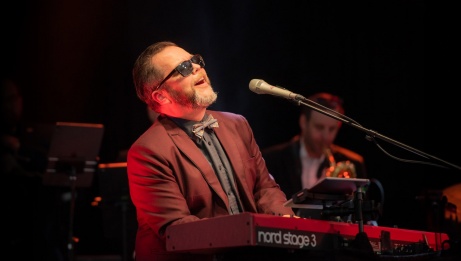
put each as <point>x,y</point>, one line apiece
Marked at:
<point>159,97</point>
<point>302,121</point>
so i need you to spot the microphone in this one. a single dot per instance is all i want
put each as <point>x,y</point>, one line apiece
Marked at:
<point>261,87</point>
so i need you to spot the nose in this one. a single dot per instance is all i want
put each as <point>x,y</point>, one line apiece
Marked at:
<point>195,68</point>
<point>327,135</point>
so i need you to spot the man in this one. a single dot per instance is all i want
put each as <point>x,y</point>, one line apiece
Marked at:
<point>175,174</point>
<point>299,163</point>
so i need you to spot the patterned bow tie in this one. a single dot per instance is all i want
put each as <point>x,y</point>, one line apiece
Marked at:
<point>199,128</point>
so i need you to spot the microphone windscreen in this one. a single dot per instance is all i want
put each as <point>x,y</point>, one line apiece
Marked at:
<point>255,84</point>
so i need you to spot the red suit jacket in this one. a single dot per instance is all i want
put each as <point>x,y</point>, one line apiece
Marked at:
<point>171,182</point>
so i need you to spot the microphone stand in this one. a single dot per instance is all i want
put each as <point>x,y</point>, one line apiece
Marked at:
<point>370,133</point>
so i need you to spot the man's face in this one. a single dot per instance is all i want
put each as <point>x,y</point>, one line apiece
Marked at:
<point>318,133</point>
<point>192,91</point>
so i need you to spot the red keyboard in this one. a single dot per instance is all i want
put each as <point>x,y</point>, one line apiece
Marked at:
<point>249,229</point>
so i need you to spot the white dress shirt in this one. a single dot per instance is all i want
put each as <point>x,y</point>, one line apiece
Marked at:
<point>310,167</point>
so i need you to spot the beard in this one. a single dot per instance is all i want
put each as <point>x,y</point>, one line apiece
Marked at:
<point>193,99</point>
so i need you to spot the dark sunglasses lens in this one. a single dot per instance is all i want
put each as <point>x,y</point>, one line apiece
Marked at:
<point>185,68</point>
<point>197,59</point>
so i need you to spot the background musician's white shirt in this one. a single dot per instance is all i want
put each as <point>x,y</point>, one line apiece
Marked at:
<point>310,167</point>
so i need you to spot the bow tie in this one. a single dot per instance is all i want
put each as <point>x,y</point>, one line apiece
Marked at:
<point>198,128</point>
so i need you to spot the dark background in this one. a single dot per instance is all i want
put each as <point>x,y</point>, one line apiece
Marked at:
<point>73,62</point>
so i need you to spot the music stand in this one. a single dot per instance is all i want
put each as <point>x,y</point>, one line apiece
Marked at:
<point>72,161</point>
<point>326,189</point>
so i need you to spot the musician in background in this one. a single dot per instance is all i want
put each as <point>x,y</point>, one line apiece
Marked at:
<point>299,163</point>
<point>192,163</point>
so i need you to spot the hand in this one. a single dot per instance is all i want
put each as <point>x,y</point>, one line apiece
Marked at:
<point>291,216</point>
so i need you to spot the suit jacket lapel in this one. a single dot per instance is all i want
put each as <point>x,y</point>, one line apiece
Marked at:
<point>226,138</point>
<point>186,145</point>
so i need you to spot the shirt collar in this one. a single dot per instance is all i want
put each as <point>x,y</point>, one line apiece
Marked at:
<point>186,125</point>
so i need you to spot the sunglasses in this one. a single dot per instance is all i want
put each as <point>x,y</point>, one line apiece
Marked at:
<point>185,68</point>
